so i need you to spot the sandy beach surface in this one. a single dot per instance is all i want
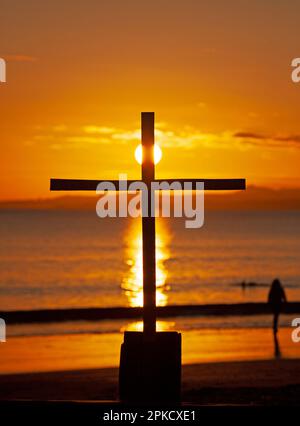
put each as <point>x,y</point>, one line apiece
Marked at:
<point>220,366</point>
<point>245,382</point>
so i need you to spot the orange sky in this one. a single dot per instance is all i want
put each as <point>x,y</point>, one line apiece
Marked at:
<point>216,73</point>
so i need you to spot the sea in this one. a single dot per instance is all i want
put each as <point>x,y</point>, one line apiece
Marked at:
<point>66,259</point>
<point>71,259</point>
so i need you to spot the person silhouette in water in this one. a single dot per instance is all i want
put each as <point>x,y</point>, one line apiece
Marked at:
<point>276,299</point>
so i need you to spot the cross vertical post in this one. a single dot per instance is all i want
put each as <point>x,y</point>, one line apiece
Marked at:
<point>148,227</point>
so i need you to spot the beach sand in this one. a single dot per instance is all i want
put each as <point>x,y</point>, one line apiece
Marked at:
<point>220,366</point>
<point>245,382</point>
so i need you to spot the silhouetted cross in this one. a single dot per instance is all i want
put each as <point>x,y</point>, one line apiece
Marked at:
<point>148,223</point>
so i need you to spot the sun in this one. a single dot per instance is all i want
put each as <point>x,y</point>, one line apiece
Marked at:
<point>139,154</point>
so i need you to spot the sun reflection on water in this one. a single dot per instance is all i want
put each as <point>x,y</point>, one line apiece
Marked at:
<point>138,326</point>
<point>133,281</point>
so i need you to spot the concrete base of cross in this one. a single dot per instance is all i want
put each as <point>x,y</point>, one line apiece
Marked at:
<point>150,368</point>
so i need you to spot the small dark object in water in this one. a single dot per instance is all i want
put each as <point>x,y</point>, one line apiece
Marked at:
<point>244,284</point>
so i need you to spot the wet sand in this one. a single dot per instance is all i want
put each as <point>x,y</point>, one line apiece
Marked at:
<point>62,352</point>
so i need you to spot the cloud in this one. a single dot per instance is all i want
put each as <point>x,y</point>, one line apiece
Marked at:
<point>82,139</point>
<point>249,135</point>
<point>60,128</point>
<point>99,130</point>
<point>188,138</point>
<point>277,141</point>
<point>166,138</point>
<point>295,139</point>
<point>19,58</point>
<point>94,134</point>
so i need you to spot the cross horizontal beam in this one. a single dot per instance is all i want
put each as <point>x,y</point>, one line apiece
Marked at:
<point>91,185</point>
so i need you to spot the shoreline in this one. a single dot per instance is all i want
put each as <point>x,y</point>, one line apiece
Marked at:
<point>75,314</point>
